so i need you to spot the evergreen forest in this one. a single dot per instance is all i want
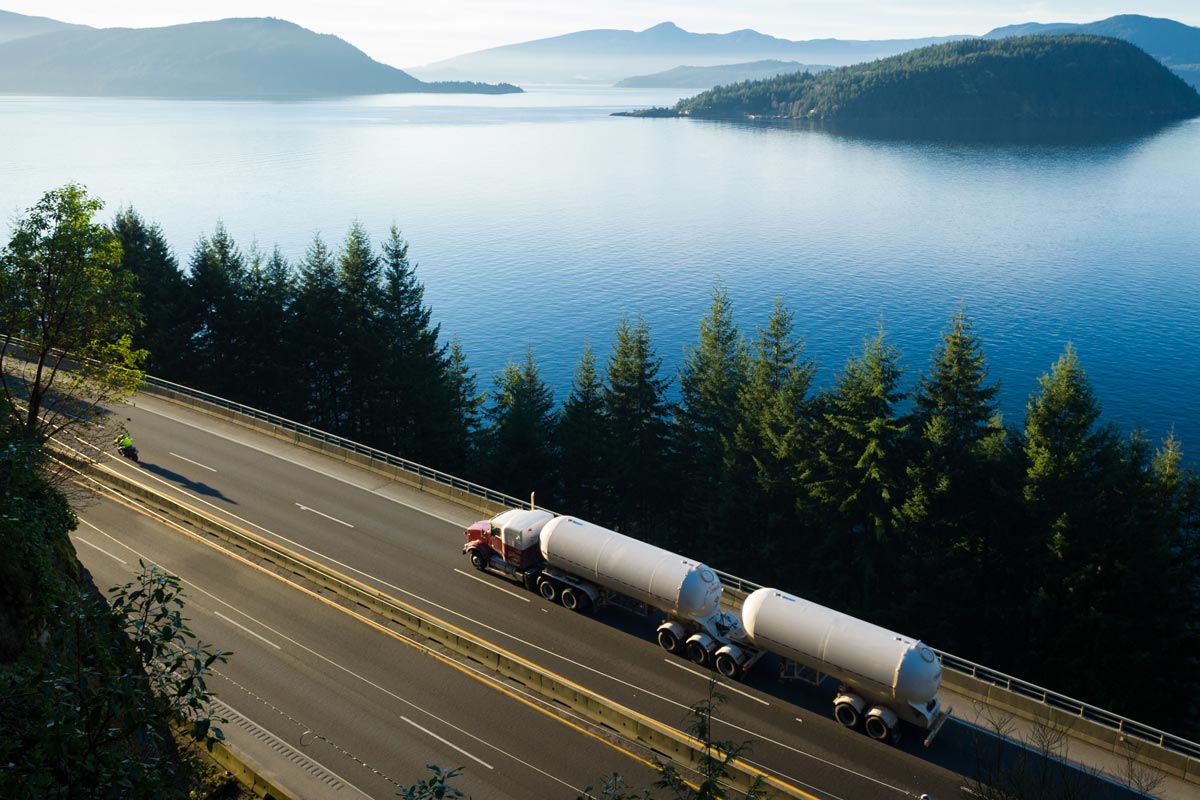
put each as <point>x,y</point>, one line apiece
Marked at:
<point>1066,79</point>
<point>1055,548</point>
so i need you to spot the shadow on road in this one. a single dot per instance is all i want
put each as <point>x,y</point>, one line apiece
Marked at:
<point>185,482</point>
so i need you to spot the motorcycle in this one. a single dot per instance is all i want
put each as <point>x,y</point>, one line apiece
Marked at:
<point>128,450</point>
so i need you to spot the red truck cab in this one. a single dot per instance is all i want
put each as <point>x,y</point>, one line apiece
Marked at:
<point>507,542</point>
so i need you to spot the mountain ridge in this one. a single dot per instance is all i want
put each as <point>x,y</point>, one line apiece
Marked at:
<point>607,55</point>
<point>235,57</point>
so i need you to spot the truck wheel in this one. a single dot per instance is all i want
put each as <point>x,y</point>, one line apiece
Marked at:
<point>668,640</point>
<point>478,561</point>
<point>846,714</point>
<point>547,589</point>
<point>570,599</point>
<point>877,729</point>
<point>726,665</point>
<point>697,654</point>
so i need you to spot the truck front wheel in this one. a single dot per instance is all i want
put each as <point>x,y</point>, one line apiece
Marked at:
<point>478,561</point>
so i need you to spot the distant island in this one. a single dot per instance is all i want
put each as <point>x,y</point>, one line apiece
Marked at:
<point>229,58</point>
<point>685,77</point>
<point>604,56</point>
<point>1027,79</point>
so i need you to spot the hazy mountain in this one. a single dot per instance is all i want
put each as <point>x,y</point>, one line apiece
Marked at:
<point>699,77</point>
<point>607,56</point>
<point>1173,43</point>
<point>1068,79</point>
<point>18,26</point>
<point>261,57</point>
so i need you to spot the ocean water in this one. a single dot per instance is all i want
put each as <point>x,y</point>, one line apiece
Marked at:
<point>536,220</point>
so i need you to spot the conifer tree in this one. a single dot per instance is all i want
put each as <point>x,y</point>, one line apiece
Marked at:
<point>711,382</point>
<point>582,440</point>
<point>412,401</point>
<point>270,363</point>
<point>521,429</point>
<point>216,283</point>
<point>857,476</point>
<point>638,418</point>
<point>466,404</point>
<point>165,334</point>
<point>775,404</point>
<point>360,284</point>
<point>956,515</point>
<point>317,338</point>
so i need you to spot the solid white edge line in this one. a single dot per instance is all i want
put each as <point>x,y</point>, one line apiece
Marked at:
<point>197,463</point>
<point>247,630</point>
<point>81,540</point>
<point>675,663</point>
<point>447,742</point>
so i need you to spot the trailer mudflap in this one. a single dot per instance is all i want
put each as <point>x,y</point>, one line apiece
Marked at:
<point>938,722</point>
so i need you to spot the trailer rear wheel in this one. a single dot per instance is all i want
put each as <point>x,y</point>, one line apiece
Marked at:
<point>697,654</point>
<point>846,714</point>
<point>668,640</point>
<point>478,561</point>
<point>727,665</point>
<point>574,599</point>
<point>547,589</point>
<point>877,729</point>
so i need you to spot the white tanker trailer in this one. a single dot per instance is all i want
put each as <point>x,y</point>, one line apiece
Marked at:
<point>885,677</point>
<point>584,566</point>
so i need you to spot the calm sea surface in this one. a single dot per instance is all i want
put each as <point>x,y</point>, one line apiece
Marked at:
<point>537,219</point>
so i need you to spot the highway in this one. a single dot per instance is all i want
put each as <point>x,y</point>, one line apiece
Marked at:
<point>357,684</point>
<point>363,705</point>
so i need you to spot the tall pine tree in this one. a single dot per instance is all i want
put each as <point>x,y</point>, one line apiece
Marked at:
<point>582,441</point>
<point>856,478</point>
<point>711,382</point>
<point>216,284</point>
<point>772,441</point>
<point>639,426</point>
<point>317,340</point>
<point>520,435</point>
<point>165,333</point>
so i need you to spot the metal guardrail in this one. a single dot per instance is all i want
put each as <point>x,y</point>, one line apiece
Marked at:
<point>352,446</point>
<point>1070,705</point>
<point>1084,711</point>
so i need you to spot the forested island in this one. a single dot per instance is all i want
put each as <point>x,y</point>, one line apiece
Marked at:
<point>1056,547</point>
<point>1028,79</point>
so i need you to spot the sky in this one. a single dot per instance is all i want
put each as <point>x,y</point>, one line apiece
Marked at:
<point>411,33</point>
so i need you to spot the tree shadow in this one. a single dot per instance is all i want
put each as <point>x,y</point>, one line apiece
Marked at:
<point>185,482</point>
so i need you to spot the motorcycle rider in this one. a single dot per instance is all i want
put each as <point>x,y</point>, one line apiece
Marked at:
<point>123,442</point>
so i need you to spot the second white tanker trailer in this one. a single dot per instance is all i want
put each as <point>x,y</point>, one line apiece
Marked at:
<point>885,677</point>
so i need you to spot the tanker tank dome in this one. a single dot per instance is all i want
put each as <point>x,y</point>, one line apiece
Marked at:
<point>700,593</point>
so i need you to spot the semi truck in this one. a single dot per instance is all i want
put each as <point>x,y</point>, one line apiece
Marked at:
<point>885,678</point>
